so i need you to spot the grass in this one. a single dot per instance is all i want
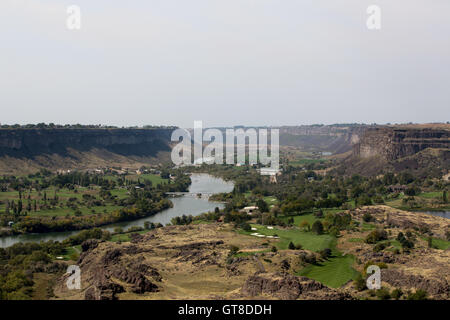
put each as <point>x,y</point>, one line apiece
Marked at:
<point>355,240</point>
<point>154,178</point>
<point>61,209</point>
<point>302,162</point>
<point>333,272</point>
<point>126,236</point>
<point>431,195</point>
<point>308,240</point>
<point>439,243</point>
<point>249,253</point>
<point>429,201</point>
<point>308,217</point>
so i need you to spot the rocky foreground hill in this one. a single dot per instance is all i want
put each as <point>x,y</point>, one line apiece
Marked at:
<point>194,262</point>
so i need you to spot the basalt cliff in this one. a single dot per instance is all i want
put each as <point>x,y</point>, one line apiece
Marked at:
<point>421,148</point>
<point>392,143</point>
<point>26,150</point>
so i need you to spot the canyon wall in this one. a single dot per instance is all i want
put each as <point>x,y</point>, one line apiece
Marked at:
<point>392,143</point>
<point>29,143</point>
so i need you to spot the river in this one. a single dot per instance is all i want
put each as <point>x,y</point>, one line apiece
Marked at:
<point>182,205</point>
<point>443,214</point>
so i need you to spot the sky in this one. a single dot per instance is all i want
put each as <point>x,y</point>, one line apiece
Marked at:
<point>224,62</point>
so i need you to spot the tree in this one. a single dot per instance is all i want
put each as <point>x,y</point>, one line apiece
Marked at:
<point>430,242</point>
<point>262,205</point>
<point>317,227</point>
<point>319,214</point>
<point>325,253</point>
<point>445,196</point>
<point>376,235</point>
<point>291,246</point>
<point>359,282</point>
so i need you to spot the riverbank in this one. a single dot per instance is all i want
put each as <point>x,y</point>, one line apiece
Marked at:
<point>182,205</point>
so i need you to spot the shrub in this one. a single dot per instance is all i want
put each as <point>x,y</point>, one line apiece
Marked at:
<point>317,227</point>
<point>325,253</point>
<point>383,294</point>
<point>319,214</point>
<point>246,226</point>
<point>376,235</point>
<point>359,283</point>
<point>396,294</point>
<point>418,295</point>
<point>367,217</point>
<point>380,246</point>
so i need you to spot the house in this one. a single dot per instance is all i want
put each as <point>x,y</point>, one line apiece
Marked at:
<point>396,188</point>
<point>249,210</point>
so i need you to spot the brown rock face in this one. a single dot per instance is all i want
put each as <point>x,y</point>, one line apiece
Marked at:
<point>289,287</point>
<point>439,288</point>
<point>34,142</point>
<point>393,143</point>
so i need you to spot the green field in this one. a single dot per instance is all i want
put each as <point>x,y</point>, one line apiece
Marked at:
<point>439,243</point>
<point>154,178</point>
<point>309,217</point>
<point>308,240</point>
<point>302,162</point>
<point>61,208</point>
<point>429,201</point>
<point>333,272</point>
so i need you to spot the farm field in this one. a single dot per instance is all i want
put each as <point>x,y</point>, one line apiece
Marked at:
<point>54,201</point>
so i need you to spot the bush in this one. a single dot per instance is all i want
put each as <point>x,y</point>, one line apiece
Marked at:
<point>325,253</point>
<point>367,217</point>
<point>376,235</point>
<point>291,246</point>
<point>418,295</point>
<point>317,227</point>
<point>396,294</point>
<point>381,246</point>
<point>383,294</point>
<point>246,226</point>
<point>274,249</point>
<point>359,283</point>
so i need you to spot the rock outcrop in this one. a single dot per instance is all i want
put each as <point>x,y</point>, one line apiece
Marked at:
<point>392,143</point>
<point>34,142</point>
<point>289,287</point>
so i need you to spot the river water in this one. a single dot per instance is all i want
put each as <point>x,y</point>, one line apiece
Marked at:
<point>443,214</point>
<point>187,205</point>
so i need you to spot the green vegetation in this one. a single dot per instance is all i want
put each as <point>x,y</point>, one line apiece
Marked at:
<point>45,202</point>
<point>307,240</point>
<point>333,272</point>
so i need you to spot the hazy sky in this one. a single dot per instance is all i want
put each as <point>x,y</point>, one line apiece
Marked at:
<point>226,62</point>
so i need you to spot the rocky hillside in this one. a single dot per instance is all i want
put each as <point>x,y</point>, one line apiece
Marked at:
<point>328,138</point>
<point>424,149</point>
<point>194,262</point>
<point>392,143</point>
<point>60,148</point>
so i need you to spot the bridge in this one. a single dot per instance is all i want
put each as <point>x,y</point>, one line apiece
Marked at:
<point>190,194</point>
